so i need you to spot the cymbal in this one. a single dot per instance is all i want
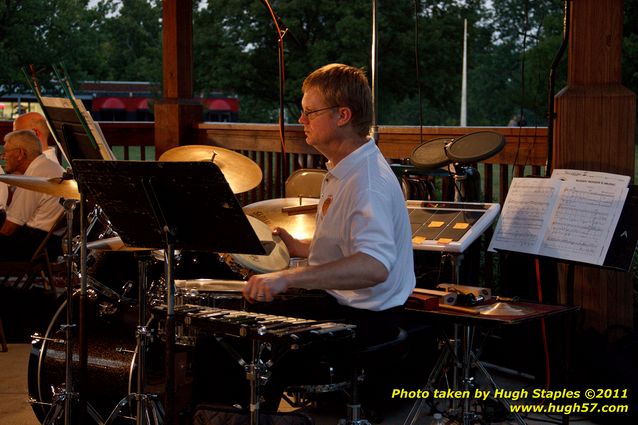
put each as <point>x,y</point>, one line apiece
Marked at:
<point>240,171</point>
<point>280,213</point>
<point>55,186</point>
<point>112,244</point>
<point>504,309</point>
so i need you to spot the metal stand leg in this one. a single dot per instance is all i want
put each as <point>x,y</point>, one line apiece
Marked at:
<point>64,396</point>
<point>148,407</point>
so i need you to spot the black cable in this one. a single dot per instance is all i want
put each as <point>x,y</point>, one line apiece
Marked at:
<point>417,7</point>
<point>552,87</point>
<point>522,101</point>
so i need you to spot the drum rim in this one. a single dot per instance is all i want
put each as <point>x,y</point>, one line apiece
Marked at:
<point>457,158</point>
<point>441,161</point>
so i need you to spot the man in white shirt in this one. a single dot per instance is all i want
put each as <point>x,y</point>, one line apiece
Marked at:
<point>361,253</point>
<point>37,123</point>
<point>31,214</point>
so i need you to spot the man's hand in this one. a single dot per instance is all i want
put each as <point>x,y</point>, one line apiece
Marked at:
<point>264,287</point>
<point>296,247</point>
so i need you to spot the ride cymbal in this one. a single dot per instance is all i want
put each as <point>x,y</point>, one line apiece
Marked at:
<point>55,186</point>
<point>240,171</point>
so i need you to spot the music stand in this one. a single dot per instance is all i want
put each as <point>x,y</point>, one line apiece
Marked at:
<point>170,205</point>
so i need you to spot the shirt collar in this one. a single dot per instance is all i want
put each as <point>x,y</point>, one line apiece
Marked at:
<point>346,166</point>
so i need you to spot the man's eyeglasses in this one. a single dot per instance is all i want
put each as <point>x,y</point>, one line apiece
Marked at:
<point>314,111</point>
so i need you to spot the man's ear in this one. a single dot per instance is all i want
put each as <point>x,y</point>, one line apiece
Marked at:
<point>345,116</point>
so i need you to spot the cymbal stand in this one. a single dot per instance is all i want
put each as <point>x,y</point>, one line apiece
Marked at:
<point>148,407</point>
<point>64,396</point>
<point>169,256</point>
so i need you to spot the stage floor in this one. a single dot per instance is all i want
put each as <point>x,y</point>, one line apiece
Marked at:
<point>15,409</point>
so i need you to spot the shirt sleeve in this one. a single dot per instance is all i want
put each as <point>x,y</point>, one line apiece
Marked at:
<point>23,206</point>
<point>372,228</point>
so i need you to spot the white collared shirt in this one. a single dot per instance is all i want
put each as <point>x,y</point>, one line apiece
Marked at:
<point>36,209</point>
<point>362,210</point>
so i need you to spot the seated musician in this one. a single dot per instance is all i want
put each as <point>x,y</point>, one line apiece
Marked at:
<point>360,261</point>
<point>31,214</point>
<point>361,252</point>
<point>37,123</point>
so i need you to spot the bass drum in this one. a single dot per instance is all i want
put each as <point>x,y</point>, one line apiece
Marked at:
<point>111,355</point>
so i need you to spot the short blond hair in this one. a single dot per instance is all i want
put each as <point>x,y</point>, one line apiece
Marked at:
<point>344,85</point>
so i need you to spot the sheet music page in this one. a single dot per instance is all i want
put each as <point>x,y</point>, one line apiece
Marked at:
<point>525,215</point>
<point>96,132</point>
<point>585,216</point>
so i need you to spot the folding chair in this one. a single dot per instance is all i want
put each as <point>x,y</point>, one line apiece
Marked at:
<point>22,274</point>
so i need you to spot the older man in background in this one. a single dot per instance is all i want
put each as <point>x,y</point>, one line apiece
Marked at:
<point>36,122</point>
<point>31,214</point>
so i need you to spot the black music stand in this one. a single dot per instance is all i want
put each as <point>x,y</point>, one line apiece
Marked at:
<point>170,205</point>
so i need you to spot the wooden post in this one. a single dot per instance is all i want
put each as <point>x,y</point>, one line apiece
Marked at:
<point>177,112</point>
<point>595,130</point>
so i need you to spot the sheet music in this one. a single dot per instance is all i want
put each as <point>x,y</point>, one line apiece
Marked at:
<point>525,215</point>
<point>584,219</point>
<point>96,131</point>
<point>570,216</point>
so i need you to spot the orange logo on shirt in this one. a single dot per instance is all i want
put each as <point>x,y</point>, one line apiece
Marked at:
<point>326,205</point>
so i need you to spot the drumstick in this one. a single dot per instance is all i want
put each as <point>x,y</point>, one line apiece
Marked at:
<point>300,209</point>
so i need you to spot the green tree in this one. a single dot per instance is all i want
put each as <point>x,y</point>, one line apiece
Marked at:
<point>43,33</point>
<point>130,40</point>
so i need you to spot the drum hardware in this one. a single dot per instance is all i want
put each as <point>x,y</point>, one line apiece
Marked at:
<point>173,204</point>
<point>36,337</point>
<point>148,407</point>
<point>65,396</point>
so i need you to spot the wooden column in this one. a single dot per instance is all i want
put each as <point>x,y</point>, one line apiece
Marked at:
<point>595,130</point>
<point>177,112</point>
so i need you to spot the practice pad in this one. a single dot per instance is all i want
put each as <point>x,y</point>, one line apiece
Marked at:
<point>240,171</point>
<point>279,213</point>
<point>475,147</point>
<point>210,285</point>
<point>55,186</point>
<point>431,154</point>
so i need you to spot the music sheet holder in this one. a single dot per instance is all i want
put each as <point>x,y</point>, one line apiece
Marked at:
<point>174,205</point>
<point>190,200</point>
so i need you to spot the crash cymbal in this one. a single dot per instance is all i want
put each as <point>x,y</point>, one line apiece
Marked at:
<point>295,215</point>
<point>112,244</point>
<point>51,186</point>
<point>240,171</point>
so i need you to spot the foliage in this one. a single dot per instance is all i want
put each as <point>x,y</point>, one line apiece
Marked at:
<point>510,48</point>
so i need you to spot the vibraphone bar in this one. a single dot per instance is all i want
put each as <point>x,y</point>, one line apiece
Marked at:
<point>292,331</point>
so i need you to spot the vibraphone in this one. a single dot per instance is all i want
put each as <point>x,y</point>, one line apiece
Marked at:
<point>291,331</point>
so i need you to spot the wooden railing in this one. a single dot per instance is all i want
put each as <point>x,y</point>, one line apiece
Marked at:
<point>525,151</point>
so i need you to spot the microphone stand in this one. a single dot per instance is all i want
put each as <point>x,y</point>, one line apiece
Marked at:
<point>282,30</point>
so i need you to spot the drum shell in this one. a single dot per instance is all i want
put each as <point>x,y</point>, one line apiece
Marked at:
<point>111,344</point>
